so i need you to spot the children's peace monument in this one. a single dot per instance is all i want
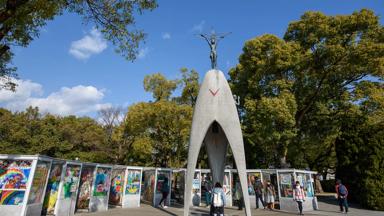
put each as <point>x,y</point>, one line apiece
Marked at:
<point>216,126</point>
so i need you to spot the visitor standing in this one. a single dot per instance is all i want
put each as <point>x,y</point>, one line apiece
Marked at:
<point>342,194</point>
<point>299,196</point>
<point>208,191</point>
<point>218,200</point>
<point>270,195</point>
<point>258,187</point>
<point>165,192</point>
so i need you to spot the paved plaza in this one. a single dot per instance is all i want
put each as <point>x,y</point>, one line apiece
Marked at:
<point>327,206</point>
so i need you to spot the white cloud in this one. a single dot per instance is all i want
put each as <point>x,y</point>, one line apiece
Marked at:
<point>24,89</point>
<point>90,44</point>
<point>77,100</point>
<point>198,27</point>
<point>143,53</point>
<point>166,35</point>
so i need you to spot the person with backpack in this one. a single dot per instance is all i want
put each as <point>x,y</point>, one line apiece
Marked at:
<point>299,196</point>
<point>165,192</point>
<point>342,194</point>
<point>258,187</point>
<point>218,200</point>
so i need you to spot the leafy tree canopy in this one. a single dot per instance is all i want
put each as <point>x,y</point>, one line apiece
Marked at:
<point>160,86</point>
<point>294,89</point>
<point>21,20</point>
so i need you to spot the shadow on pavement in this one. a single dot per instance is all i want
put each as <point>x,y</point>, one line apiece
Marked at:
<point>198,211</point>
<point>166,211</point>
<point>331,200</point>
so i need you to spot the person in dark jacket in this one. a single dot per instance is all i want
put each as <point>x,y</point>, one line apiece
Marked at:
<point>165,192</point>
<point>258,187</point>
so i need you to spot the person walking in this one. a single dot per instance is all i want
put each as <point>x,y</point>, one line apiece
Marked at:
<point>165,192</point>
<point>270,195</point>
<point>342,194</point>
<point>299,196</point>
<point>258,187</point>
<point>218,200</point>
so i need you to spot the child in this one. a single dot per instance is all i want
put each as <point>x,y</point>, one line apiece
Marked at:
<point>218,200</point>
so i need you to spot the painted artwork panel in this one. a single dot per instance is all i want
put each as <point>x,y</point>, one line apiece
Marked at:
<point>149,185</point>
<point>178,184</point>
<point>286,184</point>
<point>101,186</point>
<point>85,187</point>
<point>227,184</point>
<point>133,182</point>
<point>14,174</point>
<point>39,182</point>
<point>71,179</point>
<point>306,183</point>
<point>52,192</point>
<point>196,183</point>
<point>11,197</point>
<point>117,187</point>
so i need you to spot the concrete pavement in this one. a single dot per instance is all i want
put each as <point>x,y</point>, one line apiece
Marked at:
<point>327,205</point>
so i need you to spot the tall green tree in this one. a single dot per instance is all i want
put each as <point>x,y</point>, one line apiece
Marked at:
<point>21,21</point>
<point>294,89</point>
<point>160,87</point>
<point>158,131</point>
<point>360,145</point>
<point>190,86</point>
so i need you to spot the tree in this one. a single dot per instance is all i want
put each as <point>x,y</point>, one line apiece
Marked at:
<point>110,118</point>
<point>268,106</point>
<point>160,131</point>
<point>360,155</point>
<point>190,85</point>
<point>21,20</point>
<point>294,89</point>
<point>85,138</point>
<point>30,132</point>
<point>359,147</point>
<point>160,87</point>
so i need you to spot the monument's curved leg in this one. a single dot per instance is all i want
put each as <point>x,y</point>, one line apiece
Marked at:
<point>234,137</point>
<point>196,141</point>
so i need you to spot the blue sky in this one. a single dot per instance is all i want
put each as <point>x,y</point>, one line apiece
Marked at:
<point>69,69</point>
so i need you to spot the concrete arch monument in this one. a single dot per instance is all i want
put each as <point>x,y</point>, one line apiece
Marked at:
<point>216,124</point>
